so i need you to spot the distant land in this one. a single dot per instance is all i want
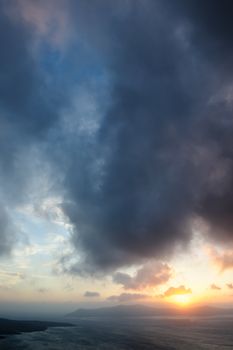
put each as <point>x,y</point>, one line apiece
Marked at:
<point>10,327</point>
<point>145,311</point>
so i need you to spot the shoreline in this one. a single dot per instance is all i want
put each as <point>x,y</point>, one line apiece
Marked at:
<point>13,327</point>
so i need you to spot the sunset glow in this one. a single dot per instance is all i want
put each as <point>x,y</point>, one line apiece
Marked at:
<point>182,299</point>
<point>116,162</point>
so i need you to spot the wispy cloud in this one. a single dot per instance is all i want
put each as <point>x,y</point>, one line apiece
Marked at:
<point>215,287</point>
<point>89,294</point>
<point>42,290</point>
<point>8,279</point>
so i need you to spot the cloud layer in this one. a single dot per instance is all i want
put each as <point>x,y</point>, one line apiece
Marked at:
<point>134,118</point>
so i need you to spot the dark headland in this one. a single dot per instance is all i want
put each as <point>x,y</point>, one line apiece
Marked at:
<point>11,327</point>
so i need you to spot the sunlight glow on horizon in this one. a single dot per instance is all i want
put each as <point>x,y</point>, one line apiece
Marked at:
<point>23,282</point>
<point>182,299</point>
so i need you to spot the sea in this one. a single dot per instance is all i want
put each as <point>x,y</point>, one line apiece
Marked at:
<point>140,333</point>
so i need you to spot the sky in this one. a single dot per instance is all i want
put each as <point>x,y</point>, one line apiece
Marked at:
<point>116,153</point>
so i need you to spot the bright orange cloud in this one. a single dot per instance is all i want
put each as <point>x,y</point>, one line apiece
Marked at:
<point>181,290</point>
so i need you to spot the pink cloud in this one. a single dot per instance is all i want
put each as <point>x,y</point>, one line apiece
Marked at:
<point>223,260</point>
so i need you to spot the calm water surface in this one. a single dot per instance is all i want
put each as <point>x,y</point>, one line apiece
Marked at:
<point>125,334</point>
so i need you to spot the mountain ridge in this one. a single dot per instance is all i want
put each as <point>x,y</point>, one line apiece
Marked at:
<point>144,310</point>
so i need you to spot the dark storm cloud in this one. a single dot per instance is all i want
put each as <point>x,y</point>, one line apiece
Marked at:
<point>143,203</point>
<point>211,25</point>
<point>212,32</point>
<point>159,159</point>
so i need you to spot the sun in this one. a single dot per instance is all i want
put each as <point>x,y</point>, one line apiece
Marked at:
<point>182,299</point>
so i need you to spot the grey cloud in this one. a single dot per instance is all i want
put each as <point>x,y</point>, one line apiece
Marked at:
<point>143,205</point>
<point>89,294</point>
<point>8,234</point>
<point>160,157</point>
<point>127,297</point>
<point>42,290</point>
<point>28,109</point>
<point>215,287</point>
<point>150,275</point>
